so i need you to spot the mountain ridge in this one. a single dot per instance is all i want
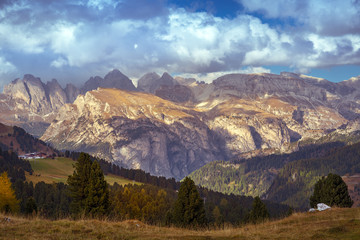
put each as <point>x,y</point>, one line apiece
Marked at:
<point>235,114</point>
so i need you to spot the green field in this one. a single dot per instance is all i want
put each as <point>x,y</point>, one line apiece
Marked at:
<point>58,169</point>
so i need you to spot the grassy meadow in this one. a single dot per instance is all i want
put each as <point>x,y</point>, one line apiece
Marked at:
<point>58,169</point>
<point>330,224</point>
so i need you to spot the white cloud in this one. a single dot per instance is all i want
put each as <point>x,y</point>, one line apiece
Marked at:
<point>323,17</point>
<point>6,67</point>
<point>209,77</point>
<point>94,37</point>
<point>59,62</point>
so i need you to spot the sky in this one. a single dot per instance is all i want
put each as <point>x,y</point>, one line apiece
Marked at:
<point>72,40</point>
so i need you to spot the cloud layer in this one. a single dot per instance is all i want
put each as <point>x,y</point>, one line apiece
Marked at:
<point>75,39</point>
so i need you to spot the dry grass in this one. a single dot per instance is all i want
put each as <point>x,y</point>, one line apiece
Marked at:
<point>331,224</point>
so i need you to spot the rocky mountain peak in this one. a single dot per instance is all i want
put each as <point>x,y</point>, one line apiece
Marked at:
<point>146,81</point>
<point>165,80</point>
<point>114,79</point>
<point>71,92</point>
<point>115,74</point>
<point>91,84</point>
<point>53,85</point>
<point>28,78</point>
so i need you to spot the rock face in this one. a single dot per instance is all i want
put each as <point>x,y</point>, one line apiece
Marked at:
<point>71,92</point>
<point>114,79</point>
<point>171,127</point>
<point>136,130</point>
<point>146,81</point>
<point>166,87</point>
<point>31,104</point>
<point>193,123</point>
<point>151,82</point>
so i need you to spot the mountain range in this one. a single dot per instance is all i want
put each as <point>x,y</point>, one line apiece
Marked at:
<point>173,126</point>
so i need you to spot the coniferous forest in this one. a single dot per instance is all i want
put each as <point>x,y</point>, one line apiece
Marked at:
<point>154,201</point>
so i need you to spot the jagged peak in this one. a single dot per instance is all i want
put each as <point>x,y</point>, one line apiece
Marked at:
<point>70,85</point>
<point>53,83</point>
<point>166,75</point>
<point>31,79</point>
<point>114,73</point>
<point>152,75</point>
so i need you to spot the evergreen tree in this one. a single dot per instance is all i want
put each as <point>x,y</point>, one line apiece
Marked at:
<point>30,207</point>
<point>78,184</point>
<point>258,212</point>
<point>189,207</point>
<point>97,192</point>
<point>331,190</point>
<point>8,201</point>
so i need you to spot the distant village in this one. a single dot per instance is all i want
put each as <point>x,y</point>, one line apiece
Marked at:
<point>34,155</point>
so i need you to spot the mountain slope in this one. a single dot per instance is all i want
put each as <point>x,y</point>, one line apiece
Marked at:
<point>236,114</point>
<point>30,104</point>
<point>18,140</point>
<point>295,182</point>
<point>136,130</point>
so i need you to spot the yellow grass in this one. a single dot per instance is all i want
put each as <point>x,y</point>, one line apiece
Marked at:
<point>138,100</point>
<point>58,169</point>
<point>331,224</point>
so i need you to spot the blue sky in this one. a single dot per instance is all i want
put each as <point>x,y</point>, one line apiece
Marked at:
<point>71,40</point>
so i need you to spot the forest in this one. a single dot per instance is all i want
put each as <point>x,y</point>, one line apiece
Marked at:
<point>150,202</point>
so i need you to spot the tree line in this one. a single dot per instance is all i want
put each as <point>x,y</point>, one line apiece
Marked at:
<point>86,194</point>
<point>296,181</point>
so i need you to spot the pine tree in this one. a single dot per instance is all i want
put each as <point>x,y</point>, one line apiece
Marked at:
<point>30,207</point>
<point>258,212</point>
<point>97,192</point>
<point>78,183</point>
<point>331,190</point>
<point>8,201</point>
<point>189,207</point>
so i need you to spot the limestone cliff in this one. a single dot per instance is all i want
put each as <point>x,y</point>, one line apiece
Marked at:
<point>31,104</point>
<point>136,130</point>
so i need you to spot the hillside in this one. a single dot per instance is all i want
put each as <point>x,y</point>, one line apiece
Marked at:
<point>58,169</point>
<point>295,182</point>
<point>254,176</point>
<point>135,130</point>
<point>21,142</point>
<point>331,224</point>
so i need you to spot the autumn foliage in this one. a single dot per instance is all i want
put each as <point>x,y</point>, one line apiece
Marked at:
<point>8,201</point>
